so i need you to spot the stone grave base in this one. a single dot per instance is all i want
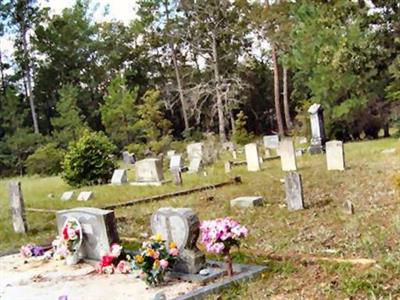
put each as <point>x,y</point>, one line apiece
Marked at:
<point>149,183</point>
<point>36,279</point>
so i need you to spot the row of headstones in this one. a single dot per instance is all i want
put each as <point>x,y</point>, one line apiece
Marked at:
<point>287,152</point>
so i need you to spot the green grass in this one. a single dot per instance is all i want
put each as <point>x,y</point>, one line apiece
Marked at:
<point>372,232</point>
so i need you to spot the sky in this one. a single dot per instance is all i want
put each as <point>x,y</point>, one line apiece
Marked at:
<point>121,10</point>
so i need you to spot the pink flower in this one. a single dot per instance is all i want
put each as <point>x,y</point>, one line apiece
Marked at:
<point>115,250</point>
<point>174,251</point>
<point>164,263</point>
<point>26,251</point>
<point>99,268</point>
<point>123,267</point>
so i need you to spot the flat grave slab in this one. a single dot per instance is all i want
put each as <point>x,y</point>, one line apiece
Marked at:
<point>247,201</point>
<point>37,279</point>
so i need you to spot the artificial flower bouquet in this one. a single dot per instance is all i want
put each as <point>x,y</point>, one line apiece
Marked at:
<point>220,235</point>
<point>115,261</point>
<point>72,239</point>
<point>155,259</point>
<point>31,250</point>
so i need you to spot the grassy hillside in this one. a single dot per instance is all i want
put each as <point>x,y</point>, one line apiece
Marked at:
<point>321,229</point>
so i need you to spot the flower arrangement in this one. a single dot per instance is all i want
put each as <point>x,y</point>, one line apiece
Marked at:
<point>155,259</point>
<point>72,239</point>
<point>220,235</point>
<point>115,261</point>
<point>31,250</point>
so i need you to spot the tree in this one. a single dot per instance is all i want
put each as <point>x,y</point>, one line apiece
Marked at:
<point>23,17</point>
<point>69,124</point>
<point>119,114</point>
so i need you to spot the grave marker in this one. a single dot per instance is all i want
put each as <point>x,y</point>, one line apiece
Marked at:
<point>149,172</point>
<point>250,201</point>
<point>271,141</point>
<point>177,177</point>
<point>335,155</point>
<point>228,166</point>
<point>66,196</point>
<point>170,153</point>
<point>294,191</point>
<point>288,155</point>
<point>195,151</point>
<point>119,177</point>
<point>180,225</point>
<point>85,196</point>
<point>252,157</point>
<point>176,162</point>
<point>195,165</point>
<point>316,112</point>
<point>128,158</point>
<point>98,227</point>
<point>17,207</point>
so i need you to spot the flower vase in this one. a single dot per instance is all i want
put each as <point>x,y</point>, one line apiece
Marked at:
<point>72,259</point>
<point>228,264</point>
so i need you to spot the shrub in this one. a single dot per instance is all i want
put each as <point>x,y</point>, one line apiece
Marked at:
<point>46,160</point>
<point>241,136</point>
<point>89,161</point>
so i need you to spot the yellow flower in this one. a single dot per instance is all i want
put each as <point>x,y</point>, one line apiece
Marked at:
<point>150,252</point>
<point>156,264</point>
<point>158,237</point>
<point>139,259</point>
<point>172,245</point>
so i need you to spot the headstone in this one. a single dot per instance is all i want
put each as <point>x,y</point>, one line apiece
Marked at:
<point>335,155</point>
<point>348,207</point>
<point>228,146</point>
<point>85,196</point>
<point>316,112</point>
<point>234,155</point>
<point>176,162</point>
<point>299,152</point>
<point>66,196</point>
<point>294,191</point>
<point>128,158</point>
<point>252,157</point>
<point>120,176</point>
<point>271,141</point>
<point>177,177</point>
<point>195,165</point>
<point>288,155</point>
<point>182,226</point>
<point>98,227</point>
<point>149,172</point>
<point>195,151</point>
<point>170,153</point>
<point>250,201</point>
<point>17,206</point>
<point>228,166</point>
<point>268,152</point>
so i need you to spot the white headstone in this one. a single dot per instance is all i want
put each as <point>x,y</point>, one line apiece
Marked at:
<point>98,227</point>
<point>149,170</point>
<point>176,162</point>
<point>250,201</point>
<point>335,155</point>
<point>195,151</point>
<point>119,176</point>
<point>271,141</point>
<point>288,155</point>
<point>317,128</point>
<point>252,157</point>
<point>66,196</point>
<point>195,165</point>
<point>85,196</point>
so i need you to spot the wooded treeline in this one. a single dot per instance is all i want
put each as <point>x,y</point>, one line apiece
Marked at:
<point>185,67</point>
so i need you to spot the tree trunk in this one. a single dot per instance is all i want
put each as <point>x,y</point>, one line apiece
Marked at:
<point>386,132</point>
<point>286,99</point>
<point>29,81</point>
<point>180,90</point>
<point>3,79</point>
<point>277,92</point>
<point>220,107</point>
<point>232,122</point>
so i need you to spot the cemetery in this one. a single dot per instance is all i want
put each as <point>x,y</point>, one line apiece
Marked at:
<point>208,149</point>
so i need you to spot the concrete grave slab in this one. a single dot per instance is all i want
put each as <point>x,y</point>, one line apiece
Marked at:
<point>67,196</point>
<point>248,201</point>
<point>85,196</point>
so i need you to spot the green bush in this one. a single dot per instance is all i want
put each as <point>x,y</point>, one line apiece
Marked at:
<point>89,161</point>
<point>241,136</point>
<point>46,160</point>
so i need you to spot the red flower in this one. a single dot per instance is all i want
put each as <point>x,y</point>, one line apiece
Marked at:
<point>106,260</point>
<point>65,233</point>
